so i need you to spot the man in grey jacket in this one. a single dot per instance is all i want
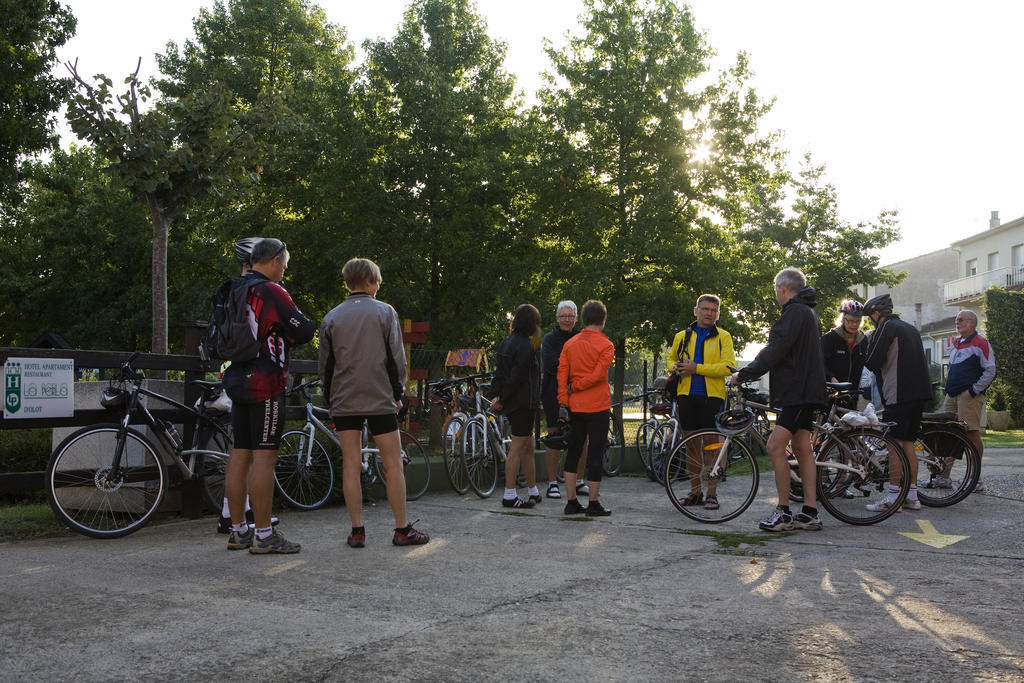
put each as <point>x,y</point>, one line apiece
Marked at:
<point>362,367</point>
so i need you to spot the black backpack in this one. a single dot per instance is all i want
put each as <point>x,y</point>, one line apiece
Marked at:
<point>231,332</point>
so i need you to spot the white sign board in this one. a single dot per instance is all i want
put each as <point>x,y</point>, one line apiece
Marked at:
<point>39,387</point>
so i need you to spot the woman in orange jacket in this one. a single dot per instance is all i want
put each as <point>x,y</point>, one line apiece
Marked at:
<point>585,401</point>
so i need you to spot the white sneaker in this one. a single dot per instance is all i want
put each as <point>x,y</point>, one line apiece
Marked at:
<point>911,504</point>
<point>881,506</point>
<point>979,487</point>
<point>938,483</point>
<point>584,490</point>
<point>553,491</point>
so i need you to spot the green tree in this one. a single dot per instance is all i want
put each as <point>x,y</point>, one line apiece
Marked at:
<point>166,156</point>
<point>810,235</point>
<point>75,241</point>
<point>314,159</point>
<point>651,165</point>
<point>448,163</point>
<point>31,32</point>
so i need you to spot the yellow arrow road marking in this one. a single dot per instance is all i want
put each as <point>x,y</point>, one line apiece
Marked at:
<point>929,535</point>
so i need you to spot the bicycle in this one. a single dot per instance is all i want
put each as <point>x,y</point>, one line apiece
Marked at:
<point>853,465</point>
<point>948,463</point>
<point>485,442</point>
<point>304,474</point>
<point>660,411</point>
<point>615,450</point>
<point>447,394</point>
<point>108,480</point>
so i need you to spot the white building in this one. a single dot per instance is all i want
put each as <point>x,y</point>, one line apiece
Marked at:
<point>940,283</point>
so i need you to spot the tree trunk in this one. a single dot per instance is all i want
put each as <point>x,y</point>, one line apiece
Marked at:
<point>159,299</point>
<point>619,376</point>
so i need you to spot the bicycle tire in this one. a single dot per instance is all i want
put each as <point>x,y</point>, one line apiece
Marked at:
<point>89,502</point>
<point>211,469</point>
<point>658,451</point>
<point>735,492</point>
<point>845,493</point>
<point>304,473</point>
<point>615,449</point>
<point>480,463</point>
<point>643,440</point>
<point>454,468</point>
<point>415,465</point>
<point>945,452</point>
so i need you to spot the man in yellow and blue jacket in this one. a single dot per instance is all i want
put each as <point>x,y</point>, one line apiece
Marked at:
<point>700,358</point>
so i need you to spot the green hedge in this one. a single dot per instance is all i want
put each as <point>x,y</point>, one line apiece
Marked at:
<point>25,450</point>
<point>1004,312</point>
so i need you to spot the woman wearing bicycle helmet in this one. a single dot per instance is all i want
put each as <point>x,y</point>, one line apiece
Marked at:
<point>843,348</point>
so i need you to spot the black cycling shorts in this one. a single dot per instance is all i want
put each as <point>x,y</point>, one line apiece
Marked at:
<point>378,424</point>
<point>795,418</point>
<point>258,426</point>
<point>698,412</point>
<point>907,417</point>
<point>521,422</point>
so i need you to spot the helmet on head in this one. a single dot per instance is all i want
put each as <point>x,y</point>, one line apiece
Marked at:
<point>243,248</point>
<point>879,304</point>
<point>735,420</point>
<point>851,307</point>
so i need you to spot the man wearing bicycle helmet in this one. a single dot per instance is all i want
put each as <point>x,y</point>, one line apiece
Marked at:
<point>895,354</point>
<point>843,348</point>
<point>797,384</point>
<point>256,389</point>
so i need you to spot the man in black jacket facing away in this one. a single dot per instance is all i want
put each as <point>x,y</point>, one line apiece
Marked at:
<point>797,384</point>
<point>896,355</point>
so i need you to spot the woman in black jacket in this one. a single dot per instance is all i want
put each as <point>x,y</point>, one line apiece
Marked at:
<point>843,348</point>
<point>516,388</point>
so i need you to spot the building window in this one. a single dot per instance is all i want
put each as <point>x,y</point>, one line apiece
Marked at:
<point>1017,255</point>
<point>972,267</point>
<point>993,260</point>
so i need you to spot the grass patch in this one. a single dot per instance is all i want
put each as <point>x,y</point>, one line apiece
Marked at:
<point>1011,438</point>
<point>732,540</point>
<point>577,519</point>
<point>23,522</point>
<point>512,513</point>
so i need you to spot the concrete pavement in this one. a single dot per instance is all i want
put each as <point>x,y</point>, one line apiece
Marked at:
<point>645,594</point>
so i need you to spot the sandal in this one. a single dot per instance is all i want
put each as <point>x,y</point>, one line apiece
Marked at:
<point>695,498</point>
<point>711,503</point>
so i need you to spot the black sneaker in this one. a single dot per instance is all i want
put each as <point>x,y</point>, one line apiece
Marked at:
<point>536,499</point>
<point>237,541</point>
<point>573,507</point>
<point>779,520</point>
<point>595,509</point>
<point>516,503</point>
<point>410,536</point>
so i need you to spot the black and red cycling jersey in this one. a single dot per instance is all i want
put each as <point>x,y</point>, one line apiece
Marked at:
<point>279,326</point>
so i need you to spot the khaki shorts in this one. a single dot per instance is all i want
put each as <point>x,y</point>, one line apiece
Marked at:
<point>967,407</point>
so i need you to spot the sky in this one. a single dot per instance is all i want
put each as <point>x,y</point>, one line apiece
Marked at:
<point>912,106</point>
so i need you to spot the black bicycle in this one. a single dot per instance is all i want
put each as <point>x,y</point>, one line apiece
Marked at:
<point>107,480</point>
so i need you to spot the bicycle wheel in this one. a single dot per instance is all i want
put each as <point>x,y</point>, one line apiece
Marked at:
<point>453,465</point>
<point>643,441</point>
<point>948,466</point>
<point>718,468</point>
<point>416,465</point>
<point>853,475</point>
<point>480,463</point>
<point>89,497</point>
<point>304,474</point>
<point>615,449</point>
<point>210,469</point>
<point>658,451</point>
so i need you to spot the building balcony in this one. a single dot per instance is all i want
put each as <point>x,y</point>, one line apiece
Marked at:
<point>974,286</point>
